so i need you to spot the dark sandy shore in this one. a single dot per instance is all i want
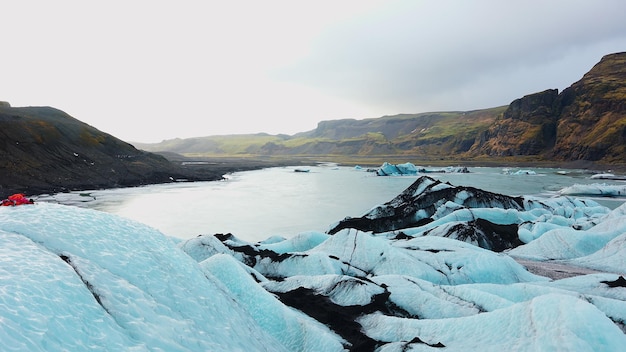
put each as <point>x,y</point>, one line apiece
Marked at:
<point>237,163</point>
<point>213,168</point>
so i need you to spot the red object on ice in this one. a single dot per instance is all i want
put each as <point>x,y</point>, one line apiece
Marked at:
<point>17,199</point>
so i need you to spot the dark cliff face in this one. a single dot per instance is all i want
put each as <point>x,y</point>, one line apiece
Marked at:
<point>534,108</point>
<point>587,121</point>
<point>592,123</point>
<point>43,150</point>
<point>527,127</point>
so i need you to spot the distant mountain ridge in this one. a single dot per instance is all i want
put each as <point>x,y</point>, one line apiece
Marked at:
<point>586,121</point>
<point>432,133</point>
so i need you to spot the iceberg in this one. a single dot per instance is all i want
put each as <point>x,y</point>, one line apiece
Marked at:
<point>409,169</point>
<point>595,189</point>
<point>607,176</point>
<point>524,172</point>
<point>387,169</point>
<point>439,266</point>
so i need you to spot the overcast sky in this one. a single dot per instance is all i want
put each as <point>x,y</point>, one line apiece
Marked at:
<point>145,71</point>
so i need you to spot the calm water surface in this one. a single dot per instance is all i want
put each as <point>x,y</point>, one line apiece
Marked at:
<point>255,205</point>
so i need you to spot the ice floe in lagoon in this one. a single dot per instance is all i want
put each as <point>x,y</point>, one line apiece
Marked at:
<point>519,172</point>
<point>595,189</point>
<point>607,176</point>
<point>409,169</point>
<point>387,169</point>
<point>435,267</point>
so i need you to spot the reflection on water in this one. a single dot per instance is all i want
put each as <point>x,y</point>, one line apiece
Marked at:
<point>255,205</point>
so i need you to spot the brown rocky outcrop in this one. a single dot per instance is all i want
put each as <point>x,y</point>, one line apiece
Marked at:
<point>527,127</point>
<point>592,123</point>
<point>586,121</point>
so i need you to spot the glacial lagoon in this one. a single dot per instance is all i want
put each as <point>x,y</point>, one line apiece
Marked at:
<point>256,205</point>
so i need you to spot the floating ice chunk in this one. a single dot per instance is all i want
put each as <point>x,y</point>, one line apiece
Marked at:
<point>387,169</point>
<point>523,172</point>
<point>607,176</point>
<point>596,189</point>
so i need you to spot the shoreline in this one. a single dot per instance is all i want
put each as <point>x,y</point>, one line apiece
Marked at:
<point>378,160</point>
<point>213,168</point>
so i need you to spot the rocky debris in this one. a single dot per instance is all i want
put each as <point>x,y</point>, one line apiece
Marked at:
<point>619,282</point>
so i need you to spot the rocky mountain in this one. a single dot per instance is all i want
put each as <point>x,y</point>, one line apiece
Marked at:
<point>592,122</point>
<point>526,127</point>
<point>43,149</point>
<point>586,121</point>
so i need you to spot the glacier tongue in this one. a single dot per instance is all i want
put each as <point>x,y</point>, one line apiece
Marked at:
<point>432,268</point>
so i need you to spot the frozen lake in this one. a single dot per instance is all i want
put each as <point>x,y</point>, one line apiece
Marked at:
<point>255,205</point>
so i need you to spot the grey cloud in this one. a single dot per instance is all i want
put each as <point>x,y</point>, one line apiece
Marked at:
<point>429,54</point>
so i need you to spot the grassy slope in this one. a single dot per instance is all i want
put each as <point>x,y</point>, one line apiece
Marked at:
<point>399,134</point>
